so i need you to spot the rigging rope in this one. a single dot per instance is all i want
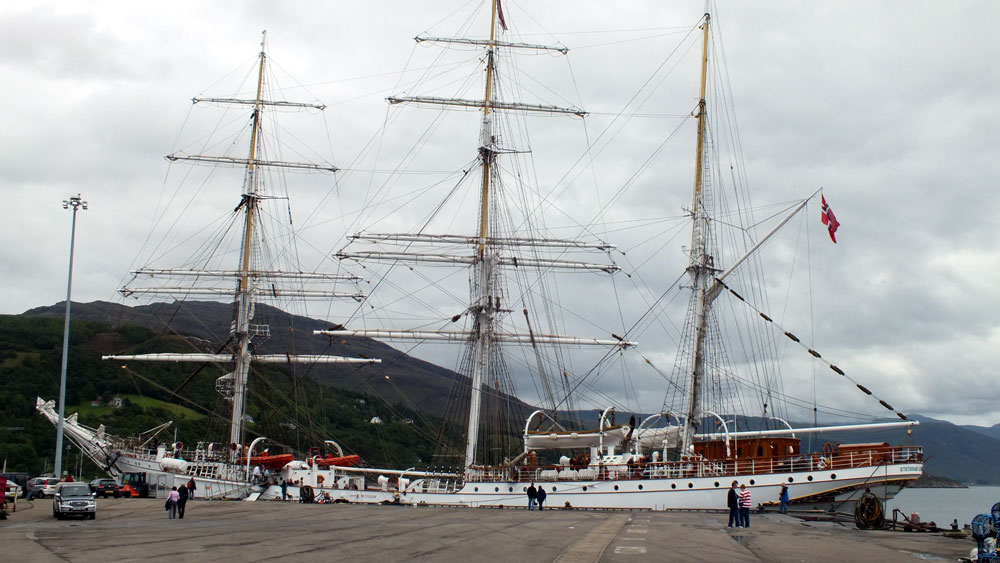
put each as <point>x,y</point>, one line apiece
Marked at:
<point>812,352</point>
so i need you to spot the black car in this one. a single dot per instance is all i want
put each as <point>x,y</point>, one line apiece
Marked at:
<point>105,488</point>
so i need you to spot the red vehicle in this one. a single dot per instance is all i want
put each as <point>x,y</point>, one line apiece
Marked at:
<point>134,486</point>
<point>128,492</point>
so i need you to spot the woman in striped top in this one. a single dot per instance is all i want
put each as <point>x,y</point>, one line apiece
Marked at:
<point>745,504</point>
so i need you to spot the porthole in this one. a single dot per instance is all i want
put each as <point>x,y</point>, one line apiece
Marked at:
<point>809,478</point>
<point>752,482</point>
<point>510,489</point>
<point>690,485</point>
<point>673,485</point>
<point>553,489</point>
<point>833,475</point>
<point>640,486</point>
<point>616,487</point>
<point>496,489</point>
<point>716,483</point>
<point>585,488</point>
<point>791,479</point>
<point>476,489</point>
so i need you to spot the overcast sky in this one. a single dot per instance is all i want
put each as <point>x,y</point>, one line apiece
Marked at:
<point>892,107</point>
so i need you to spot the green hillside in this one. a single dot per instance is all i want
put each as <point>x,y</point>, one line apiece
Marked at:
<point>290,409</point>
<point>88,410</point>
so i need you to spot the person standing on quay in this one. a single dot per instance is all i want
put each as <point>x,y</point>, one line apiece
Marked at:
<point>182,499</point>
<point>745,504</point>
<point>541,497</point>
<point>734,506</point>
<point>172,497</point>
<point>532,496</point>
<point>191,486</point>
<point>783,497</point>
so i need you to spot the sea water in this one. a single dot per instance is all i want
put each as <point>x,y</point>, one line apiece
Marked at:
<point>944,505</point>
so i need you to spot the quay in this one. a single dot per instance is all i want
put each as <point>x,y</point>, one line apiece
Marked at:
<point>224,531</point>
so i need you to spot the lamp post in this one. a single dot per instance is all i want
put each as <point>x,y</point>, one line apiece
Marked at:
<point>76,203</point>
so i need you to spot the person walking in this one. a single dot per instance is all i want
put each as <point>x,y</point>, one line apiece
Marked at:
<point>783,497</point>
<point>745,504</point>
<point>284,489</point>
<point>182,499</point>
<point>532,496</point>
<point>540,497</point>
<point>191,486</point>
<point>172,497</point>
<point>734,506</point>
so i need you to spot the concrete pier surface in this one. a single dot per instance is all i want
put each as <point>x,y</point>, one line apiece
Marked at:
<point>139,530</point>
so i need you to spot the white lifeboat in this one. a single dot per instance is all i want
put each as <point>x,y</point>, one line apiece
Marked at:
<point>173,465</point>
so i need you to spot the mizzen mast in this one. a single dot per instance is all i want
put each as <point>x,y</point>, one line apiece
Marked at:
<point>701,264</point>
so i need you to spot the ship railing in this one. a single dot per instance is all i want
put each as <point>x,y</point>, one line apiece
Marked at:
<point>873,457</point>
<point>433,485</point>
<point>907,454</point>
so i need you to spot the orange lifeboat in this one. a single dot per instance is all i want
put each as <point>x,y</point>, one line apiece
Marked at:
<point>269,461</point>
<point>342,461</point>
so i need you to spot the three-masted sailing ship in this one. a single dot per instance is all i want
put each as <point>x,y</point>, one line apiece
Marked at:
<point>682,457</point>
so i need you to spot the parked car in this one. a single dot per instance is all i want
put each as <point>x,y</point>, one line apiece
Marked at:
<point>8,503</point>
<point>74,499</point>
<point>13,490</point>
<point>41,487</point>
<point>20,478</point>
<point>105,488</point>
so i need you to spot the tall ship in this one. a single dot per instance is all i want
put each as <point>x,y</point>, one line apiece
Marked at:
<point>484,271</point>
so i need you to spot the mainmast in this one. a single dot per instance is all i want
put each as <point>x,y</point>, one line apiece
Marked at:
<point>484,304</point>
<point>489,250</point>
<point>700,266</point>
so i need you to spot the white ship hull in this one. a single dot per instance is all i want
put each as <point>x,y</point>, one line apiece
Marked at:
<point>826,483</point>
<point>834,490</point>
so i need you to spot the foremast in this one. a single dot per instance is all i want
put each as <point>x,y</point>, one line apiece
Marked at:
<point>244,299</point>
<point>701,264</point>
<point>489,250</point>
<point>251,278</point>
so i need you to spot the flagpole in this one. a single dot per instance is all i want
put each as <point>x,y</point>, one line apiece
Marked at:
<point>76,203</point>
